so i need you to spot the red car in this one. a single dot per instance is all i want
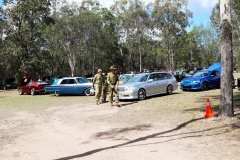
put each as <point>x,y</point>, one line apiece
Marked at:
<point>32,87</point>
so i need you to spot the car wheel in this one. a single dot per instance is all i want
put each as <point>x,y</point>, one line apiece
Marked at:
<point>169,89</point>
<point>32,92</point>
<point>141,94</point>
<point>204,86</point>
<point>5,88</point>
<point>20,92</point>
<point>87,92</point>
<point>57,93</point>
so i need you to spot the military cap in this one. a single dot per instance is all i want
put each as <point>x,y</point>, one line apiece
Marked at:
<point>112,67</point>
<point>99,70</point>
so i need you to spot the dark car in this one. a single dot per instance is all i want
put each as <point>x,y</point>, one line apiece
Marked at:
<point>188,73</point>
<point>8,84</point>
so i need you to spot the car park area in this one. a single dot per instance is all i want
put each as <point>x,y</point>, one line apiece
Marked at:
<point>74,127</point>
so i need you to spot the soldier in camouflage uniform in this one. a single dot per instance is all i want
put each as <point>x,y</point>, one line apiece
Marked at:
<point>113,86</point>
<point>98,82</point>
<point>105,88</point>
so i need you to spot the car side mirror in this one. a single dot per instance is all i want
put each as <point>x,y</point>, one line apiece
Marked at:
<point>150,80</point>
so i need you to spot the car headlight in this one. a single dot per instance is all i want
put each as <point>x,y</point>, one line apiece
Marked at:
<point>196,81</point>
<point>130,88</point>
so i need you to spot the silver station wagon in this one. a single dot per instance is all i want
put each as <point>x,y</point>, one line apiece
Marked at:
<point>140,86</point>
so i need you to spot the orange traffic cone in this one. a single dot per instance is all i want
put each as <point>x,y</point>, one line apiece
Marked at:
<point>209,113</point>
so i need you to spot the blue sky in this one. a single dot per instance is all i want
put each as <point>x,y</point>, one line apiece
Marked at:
<point>201,9</point>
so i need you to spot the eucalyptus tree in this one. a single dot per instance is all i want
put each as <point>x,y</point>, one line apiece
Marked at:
<point>76,24</point>
<point>26,20</point>
<point>170,18</point>
<point>226,102</point>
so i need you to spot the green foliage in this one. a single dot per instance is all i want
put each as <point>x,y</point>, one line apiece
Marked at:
<point>53,37</point>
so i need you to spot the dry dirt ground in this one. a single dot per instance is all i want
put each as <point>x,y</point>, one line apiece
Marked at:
<point>165,127</point>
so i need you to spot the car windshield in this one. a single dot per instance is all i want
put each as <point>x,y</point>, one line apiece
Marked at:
<point>201,74</point>
<point>138,78</point>
<point>41,83</point>
<point>125,76</point>
<point>82,80</point>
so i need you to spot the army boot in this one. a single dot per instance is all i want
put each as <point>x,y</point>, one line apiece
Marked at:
<point>117,104</point>
<point>102,101</point>
<point>96,102</point>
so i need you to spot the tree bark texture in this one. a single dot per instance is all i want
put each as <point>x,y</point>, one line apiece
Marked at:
<point>226,103</point>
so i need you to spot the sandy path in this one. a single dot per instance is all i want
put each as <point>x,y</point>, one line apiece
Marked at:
<point>94,132</point>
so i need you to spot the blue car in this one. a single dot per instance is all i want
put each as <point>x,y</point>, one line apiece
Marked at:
<point>203,80</point>
<point>73,85</point>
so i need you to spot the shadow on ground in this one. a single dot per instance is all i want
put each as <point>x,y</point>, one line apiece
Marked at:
<point>130,143</point>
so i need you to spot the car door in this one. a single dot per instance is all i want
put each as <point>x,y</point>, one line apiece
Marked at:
<point>214,79</point>
<point>64,86</point>
<point>162,82</point>
<point>28,87</point>
<point>72,86</point>
<point>152,86</point>
<point>217,79</point>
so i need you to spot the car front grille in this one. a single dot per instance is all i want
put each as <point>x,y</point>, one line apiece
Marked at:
<point>187,82</point>
<point>188,87</point>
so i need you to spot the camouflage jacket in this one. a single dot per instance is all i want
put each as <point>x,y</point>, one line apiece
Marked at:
<point>112,79</point>
<point>105,83</point>
<point>98,79</point>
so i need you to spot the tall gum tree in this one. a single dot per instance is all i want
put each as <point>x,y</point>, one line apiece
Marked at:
<point>226,102</point>
<point>26,21</point>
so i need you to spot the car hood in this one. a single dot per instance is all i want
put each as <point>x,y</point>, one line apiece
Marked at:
<point>25,81</point>
<point>194,79</point>
<point>131,84</point>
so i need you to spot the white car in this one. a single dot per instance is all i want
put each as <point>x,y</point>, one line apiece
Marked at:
<point>143,85</point>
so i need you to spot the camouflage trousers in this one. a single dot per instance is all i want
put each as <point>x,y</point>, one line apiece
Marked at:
<point>104,93</point>
<point>115,90</point>
<point>98,92</point>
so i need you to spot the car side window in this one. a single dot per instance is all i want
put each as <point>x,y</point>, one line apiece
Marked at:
<point>64,81</point>
<point>161,76</point>
<point>30,84</point>
<point>71,81</point>
<point>168,75</point>
<point>154,77</point>
<point>213,73</point>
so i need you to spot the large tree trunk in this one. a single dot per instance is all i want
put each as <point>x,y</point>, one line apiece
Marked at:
<point>226,103</point>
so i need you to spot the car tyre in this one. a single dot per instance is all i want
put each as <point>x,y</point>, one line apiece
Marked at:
<point>20,92</point>
<point>32,92</point>
<point>141,94</point>
<point>169,89</point>
<point>87,92</point>
<point>57,93</point>
<point>204,86</point>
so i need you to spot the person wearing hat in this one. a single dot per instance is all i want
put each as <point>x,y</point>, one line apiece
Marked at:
<point>105,87</point>
<point>98,81</point>
<point>112,83</point>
